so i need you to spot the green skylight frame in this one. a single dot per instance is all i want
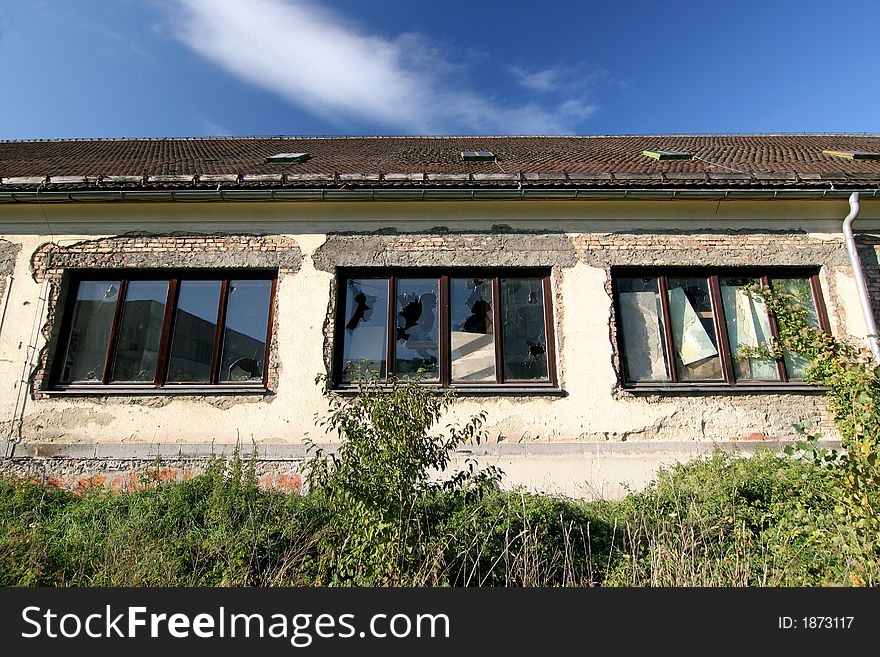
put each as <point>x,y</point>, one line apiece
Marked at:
<point>478,156</point>
<point>663,154</point>
<point>287,158</point>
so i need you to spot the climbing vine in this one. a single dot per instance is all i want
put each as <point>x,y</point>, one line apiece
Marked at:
<point>853,382</point>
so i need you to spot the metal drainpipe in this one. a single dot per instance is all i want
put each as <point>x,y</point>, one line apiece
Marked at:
<point>856,263</point>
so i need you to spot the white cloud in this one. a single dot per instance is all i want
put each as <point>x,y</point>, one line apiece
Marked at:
<point>317,61</point>
<point>541,81</point>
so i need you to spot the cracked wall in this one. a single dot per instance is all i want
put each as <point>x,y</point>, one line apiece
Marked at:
<point>591,406</point>
<point>8,254</point>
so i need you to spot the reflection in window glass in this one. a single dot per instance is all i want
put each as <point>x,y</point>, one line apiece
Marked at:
<point>644,354</point>
<point>417,330</point>
<point>748,328</point>
<point>140,331</point>
<point>799,294</point>
<point>90,329</point>
<point>693,330</point>
<point>523,329</point>
<point>366,328</point>
<point>244,340</point>
<point>472,333</point>
<point>195,323</point>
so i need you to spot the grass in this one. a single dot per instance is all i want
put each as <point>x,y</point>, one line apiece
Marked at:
<point>716,521</point>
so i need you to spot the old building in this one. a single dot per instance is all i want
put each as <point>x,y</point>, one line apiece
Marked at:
<point>171,297</point>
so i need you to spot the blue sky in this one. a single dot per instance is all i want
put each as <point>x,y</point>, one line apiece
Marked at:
<point>153,68</point>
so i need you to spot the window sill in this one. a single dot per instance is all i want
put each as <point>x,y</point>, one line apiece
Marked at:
<point>548,390</point>
<point>709,389</point>
<point>166,391</point>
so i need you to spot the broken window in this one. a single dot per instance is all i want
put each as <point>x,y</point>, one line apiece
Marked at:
<point>799,293</point>
<point>703,326</point>
<point>462,327</point>
<point>473,330</point>
<point>693,329</point>
<point>418,329</point>
<point>524,329</point>
<point>195,328</point>
<point>366,328</point>
<point>748,328</point>
<point>244,337</point>
<point>642,329</point>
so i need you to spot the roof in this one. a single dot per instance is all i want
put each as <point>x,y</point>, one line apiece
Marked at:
<point>590,162</point>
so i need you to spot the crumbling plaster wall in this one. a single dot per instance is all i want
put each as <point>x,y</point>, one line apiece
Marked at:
<point>591,405</point>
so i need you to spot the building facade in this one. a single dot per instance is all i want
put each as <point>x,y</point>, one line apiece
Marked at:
<point>174,298</point>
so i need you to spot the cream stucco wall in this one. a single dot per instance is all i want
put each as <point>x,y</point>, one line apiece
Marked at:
<point>592,407</point>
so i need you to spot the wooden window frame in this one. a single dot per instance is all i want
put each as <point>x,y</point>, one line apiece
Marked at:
<point>160,383</point>
<point>443,276</point>
<point>712,276</point>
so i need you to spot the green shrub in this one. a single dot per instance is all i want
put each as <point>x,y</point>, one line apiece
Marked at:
<point>375,484</point>
<point>728,520</point>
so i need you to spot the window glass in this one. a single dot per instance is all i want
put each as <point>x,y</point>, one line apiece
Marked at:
<point>417,330</point>
<point>195,325</point>
<point>366,329</point>
<point>140,331</point>
<point>472,332</point>
<point>693,330</point>
<point>524,338</point>
<point>244,340</point>
<point>748,328</point>
<point>644,354</point>
<point>799,294</point>
<point>90,329</point>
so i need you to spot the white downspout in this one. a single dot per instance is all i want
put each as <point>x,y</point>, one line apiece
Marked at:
<point>856,263</point>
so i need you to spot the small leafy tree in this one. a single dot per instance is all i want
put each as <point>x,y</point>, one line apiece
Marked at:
<point>853,380</point>
<point>388,461</point>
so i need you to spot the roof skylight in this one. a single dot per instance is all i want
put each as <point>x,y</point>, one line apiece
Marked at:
<point>853,155</point>
<point>478,156</point>
<point>658,154</point>
<point>283,158</point>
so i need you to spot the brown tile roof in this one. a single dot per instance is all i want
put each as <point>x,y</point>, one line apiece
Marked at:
<point>604,161</point>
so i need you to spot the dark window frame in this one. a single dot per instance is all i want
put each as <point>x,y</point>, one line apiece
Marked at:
<point>443,274</point>
<point>712,275</point>
<point>173,276</point>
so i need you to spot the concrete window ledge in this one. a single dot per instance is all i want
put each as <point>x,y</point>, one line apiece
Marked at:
<point>786,389</point>
<point>107,391</point>
<point>484,391</point>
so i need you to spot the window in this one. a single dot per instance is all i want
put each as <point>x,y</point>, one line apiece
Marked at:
<point>456,327</point>
<point>680,327</point>
<point>148,329</point>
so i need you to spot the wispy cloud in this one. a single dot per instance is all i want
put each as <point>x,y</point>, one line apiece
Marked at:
<point>541,81</point>
<point>209,128</point>
<point>318,61</point>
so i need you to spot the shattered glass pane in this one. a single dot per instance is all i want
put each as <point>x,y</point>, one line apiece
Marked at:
<point>140,331</point>
<point>642,329</point>
<point>799,293</point>
<point>244,340</point>
<point>366,329</point>
<point>195,323</point>
<point>417,330</point>
<point>693,330</point>
<point>523,329</point>
<point>472,333</point>
<point>748,329</point>
<point>90,329</point>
